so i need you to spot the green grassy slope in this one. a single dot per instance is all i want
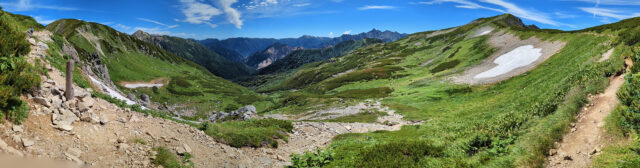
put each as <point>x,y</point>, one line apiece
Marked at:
<point>198,53</point>
<point>507,124</point>
<point>16,75</point>
<point>130,59</point>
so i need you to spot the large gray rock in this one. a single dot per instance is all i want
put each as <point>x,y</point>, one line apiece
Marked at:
<point>64,120</point>
<point>41,101</point>
<point>145,100</point>
<point>90,117</point>
<point>130,96</point>
<point>244,113</point>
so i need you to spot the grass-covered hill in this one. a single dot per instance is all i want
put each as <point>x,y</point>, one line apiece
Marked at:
<point>511,123</point>
<point>196,52</point>
<point>190,87</point>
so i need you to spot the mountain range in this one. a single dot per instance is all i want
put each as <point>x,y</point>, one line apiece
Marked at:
<point>196,52</point>
<point>248,46</point>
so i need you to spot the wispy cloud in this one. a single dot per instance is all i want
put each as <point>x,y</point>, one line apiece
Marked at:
<point>158,23</point>
<point>202,12</point>
<point>463,4</point>
<point>347,32</point>
<point>331,34</point>
<point>302,4</point>
<point>233,15</point>
<point>371,7</point>
<point>26,5</point>
<point>505,7</point>
<point>198,13</point>
<point>611,13</point>
<point>610,2</point>
<point>122,27</point>
<point>43,21</point>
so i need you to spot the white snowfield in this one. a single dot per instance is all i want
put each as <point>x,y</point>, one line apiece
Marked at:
<point>484,33</point>
<point>142,85</point>
<point>519,57</point>
<point>112,92</point>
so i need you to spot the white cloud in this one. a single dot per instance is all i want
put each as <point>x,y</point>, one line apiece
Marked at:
<point>197,12</point>
<point>122,27</point>
<point>42,20</point>
<point>611,2</point>
<point>463,4</point>
<point>347,32</point>
<point>302,4</point>
<point>610,13</point>
<point>331,34</point>
<point>233,15</point>
<point>509,7</point>
<point>370,7</point>
<point>26,5</point>
<point>158,23</point>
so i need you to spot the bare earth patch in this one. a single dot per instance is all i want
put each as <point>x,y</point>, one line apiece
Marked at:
<point>506,43</point>
<point>606,55</point>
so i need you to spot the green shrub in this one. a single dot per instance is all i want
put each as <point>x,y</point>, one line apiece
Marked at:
<point>16,75</point>
<point>167,159</point>
<point>252,133</point>
<point>320,158</point>
<point>445,65</point>
<point>398,154</point>
<point>366,93</point>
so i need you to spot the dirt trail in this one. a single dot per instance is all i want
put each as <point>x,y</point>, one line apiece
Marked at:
<point>587,136</point>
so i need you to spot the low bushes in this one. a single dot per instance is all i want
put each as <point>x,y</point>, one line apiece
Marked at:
<point>366,93</point>
<point>253,133</point>
<point>167,159</point>
<point>408,153</point>
<point>310,159</point>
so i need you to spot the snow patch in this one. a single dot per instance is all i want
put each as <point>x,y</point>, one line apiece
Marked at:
<point>519,57</point>
<point>113,93</point>
<point>484,33</point>
<point>141,85</point>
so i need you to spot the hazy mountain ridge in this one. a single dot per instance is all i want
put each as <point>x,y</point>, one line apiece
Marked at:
<point>248,46</point>
<point>269,55</point>
<point>196,52</point>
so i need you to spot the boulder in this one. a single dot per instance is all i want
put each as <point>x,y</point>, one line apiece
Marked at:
<point>64,120</point>
<point>186,148</point>
<point>104,120</point>
<point>17,128</point>
<point>82,107</point>
<point>42,101</point>
<point>90,117</point>
<point>43,45</point>
<point>27,143</point>
<point>130,96</point>
<point>32,41</point>
<point>145,100</point>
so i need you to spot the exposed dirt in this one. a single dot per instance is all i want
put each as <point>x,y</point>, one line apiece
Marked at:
<point>587,136</point>
<point>606,55</point>
<point>505,43</point>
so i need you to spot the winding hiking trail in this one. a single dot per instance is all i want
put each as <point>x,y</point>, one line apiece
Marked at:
<point>587,136</point>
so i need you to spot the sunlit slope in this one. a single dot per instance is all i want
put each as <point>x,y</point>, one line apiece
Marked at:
<point>503,123</point>
<point>188,86</point>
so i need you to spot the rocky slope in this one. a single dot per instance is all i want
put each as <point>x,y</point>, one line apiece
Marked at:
<point>269,55</point>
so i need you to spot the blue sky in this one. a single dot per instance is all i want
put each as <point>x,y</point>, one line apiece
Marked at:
<point>201,19</point>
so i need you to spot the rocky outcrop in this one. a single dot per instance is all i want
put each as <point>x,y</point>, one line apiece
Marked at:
<point>244,113</point>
